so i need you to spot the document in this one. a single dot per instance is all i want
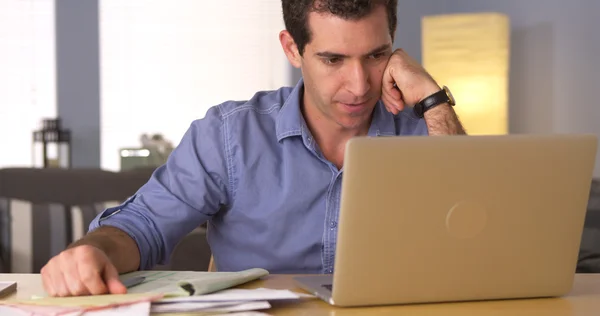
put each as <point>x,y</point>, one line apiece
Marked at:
<point>188,283</point>
<point>89,301</point>
<point>219,307</point>
<point>236,295</point>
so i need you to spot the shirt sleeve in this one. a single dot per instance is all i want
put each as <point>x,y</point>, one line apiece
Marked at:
<point>179,196</point>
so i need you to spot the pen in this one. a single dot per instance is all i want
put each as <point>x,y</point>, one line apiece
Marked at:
<point>133,281</point>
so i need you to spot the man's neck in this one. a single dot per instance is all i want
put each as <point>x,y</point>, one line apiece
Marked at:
<point>330,136</point>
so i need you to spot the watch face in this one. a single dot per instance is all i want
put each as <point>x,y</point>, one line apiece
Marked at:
<point>450,96</point>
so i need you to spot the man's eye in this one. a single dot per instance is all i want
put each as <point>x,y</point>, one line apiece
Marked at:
<point>332,61</point>
<point>378,55</point>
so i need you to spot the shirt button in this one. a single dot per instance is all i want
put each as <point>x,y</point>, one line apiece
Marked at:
<point>330,270</point>
<point>333,224</point>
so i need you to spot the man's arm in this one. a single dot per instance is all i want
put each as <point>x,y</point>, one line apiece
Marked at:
<point>119,247</point>
<point>406,82</point>
<point>143,231</point>
<point>181,195</point>
<point>442,120</point>
<point>91,265</point>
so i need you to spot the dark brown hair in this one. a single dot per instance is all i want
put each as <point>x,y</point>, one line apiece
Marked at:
<point>295,14</point>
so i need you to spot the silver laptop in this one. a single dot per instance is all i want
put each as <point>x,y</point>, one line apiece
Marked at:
<point>458,218</point>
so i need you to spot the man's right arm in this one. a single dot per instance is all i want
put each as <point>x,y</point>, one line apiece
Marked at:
<point>119,247</point>
<point>141,232</point>
<point>92,264</point>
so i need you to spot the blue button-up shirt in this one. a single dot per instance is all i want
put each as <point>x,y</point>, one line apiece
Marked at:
<point>254,172</point>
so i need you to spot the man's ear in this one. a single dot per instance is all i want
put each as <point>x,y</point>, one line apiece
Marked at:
<point>290,48</point>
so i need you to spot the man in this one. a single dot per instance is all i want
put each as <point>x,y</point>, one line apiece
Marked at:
<point>266,173</point>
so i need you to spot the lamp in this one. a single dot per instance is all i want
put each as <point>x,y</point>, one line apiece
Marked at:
<point>52,145</point>
<point>469,53</point>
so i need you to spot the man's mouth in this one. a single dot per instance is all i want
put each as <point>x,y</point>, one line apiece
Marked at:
<point>358,103</point>
<point>354,106</point>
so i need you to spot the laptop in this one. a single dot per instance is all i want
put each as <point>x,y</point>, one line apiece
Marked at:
<point>458,218</point>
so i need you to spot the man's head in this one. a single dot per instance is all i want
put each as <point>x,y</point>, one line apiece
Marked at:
<point>295,14</point>
<point>342,47</point>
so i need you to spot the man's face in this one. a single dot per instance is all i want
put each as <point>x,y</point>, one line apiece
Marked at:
<point>343,66</point>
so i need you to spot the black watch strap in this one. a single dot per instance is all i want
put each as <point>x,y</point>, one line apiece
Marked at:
<point>432,101</point>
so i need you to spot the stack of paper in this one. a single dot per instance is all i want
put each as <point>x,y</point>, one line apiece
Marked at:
<point>233,300</point>
<point>187,291</point>
<point>187,283</point>
<point>161,292</point>
<point>226,301</point>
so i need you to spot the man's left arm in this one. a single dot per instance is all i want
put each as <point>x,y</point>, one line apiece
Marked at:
<point>405,81</point>
<point>442,120</point>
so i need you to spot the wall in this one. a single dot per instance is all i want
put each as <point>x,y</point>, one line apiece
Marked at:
<point>165,63</point>
<point>162,66</point>
<point>553,50</point>
<point>27,76</point>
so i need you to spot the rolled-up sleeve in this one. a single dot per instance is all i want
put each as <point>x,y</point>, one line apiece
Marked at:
<point>182,194</point>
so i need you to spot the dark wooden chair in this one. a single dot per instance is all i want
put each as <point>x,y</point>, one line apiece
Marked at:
<point>87,189</point>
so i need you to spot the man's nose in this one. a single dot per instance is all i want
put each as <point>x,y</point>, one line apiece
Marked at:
<point>357,80</point>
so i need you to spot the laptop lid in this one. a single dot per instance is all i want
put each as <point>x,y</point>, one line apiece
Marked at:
<point>431,219</point>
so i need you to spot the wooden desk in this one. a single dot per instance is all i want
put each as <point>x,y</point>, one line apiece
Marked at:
<point>584,300</point>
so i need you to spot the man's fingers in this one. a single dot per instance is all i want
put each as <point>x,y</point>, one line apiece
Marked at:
<point>92,280</point>
<point>390,90</point>
<point>67,269</point>
<point>393,100</point>
<point>389,105</point>
<point>389,82</point>
<point>47,282</point>
<point>73,283</point>
<point>58,282</point>
<point>90,270</point>
<point>111,276</point>
<point>81,271</point>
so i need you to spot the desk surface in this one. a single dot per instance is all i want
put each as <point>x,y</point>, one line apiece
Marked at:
<point>584,299</point>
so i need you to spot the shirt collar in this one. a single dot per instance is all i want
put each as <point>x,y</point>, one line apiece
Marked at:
<point>290,121</point>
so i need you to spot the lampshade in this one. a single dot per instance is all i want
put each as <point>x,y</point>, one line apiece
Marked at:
<point>469,53</point>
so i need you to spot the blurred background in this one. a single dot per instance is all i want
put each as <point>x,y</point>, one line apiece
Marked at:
<point>112,85</point>
<point>113,70</point>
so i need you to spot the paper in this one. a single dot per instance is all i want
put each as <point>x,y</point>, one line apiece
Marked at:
<point>244,307</point>
<point>190,306</point>
<point>77,305</point>
<point>27,310</point>
<point>220,307</point>
<point>186,283</point>
<point>89,301</point>
<point>11,311</point>
<point>260,294</point>
<point>137,309</point>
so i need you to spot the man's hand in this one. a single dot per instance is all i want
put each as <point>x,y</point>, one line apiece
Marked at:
<point>405,81</point>
<point>81,270</point>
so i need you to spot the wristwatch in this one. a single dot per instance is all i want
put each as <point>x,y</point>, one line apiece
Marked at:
<point>440,97</point>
